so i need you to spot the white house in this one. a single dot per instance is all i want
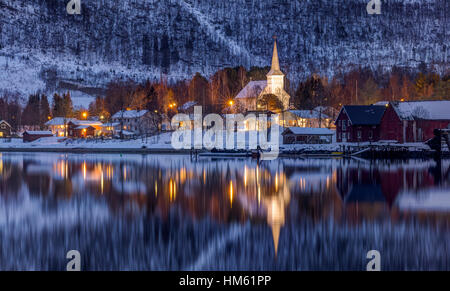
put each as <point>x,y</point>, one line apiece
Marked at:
<point>136,121</point>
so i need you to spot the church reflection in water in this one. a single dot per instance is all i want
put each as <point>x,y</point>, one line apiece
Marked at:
<point>273,193</point>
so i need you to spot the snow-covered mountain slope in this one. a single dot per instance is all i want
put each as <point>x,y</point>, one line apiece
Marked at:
<point>44,48</point>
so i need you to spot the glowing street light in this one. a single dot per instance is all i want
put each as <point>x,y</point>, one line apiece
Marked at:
<point>231,102</point>
<point>84,115</point>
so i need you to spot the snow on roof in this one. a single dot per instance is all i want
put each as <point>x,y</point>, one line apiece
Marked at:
<point>130,114</point>
<point>111,124</point>
<point>188,105</point>
<point>382,103</point>
<point>59,121</point>
<point>83,126</point>
<point>309,114</point>
<point>309,131</point>
<point>4,121</point>
<point>430,110</point>
<point>125,132</point>
<point>37,132</point>
<point>252,89</point>
<point>87,122</point>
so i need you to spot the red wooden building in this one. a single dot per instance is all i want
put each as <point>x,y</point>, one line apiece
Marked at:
<point>414,121</point>
<point>29,136</point>
<point>84,128</point>
<point>359,123</point>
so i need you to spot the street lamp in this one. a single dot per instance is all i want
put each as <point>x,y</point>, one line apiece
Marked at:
<point>84,115</point>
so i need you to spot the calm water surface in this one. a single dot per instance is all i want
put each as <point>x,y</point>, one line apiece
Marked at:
<point>148,212</point>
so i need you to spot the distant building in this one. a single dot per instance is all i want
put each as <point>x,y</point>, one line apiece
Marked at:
<point>254,91</point>
<point>414,121</point>
<point>303,135</point>
<point>5,129</point>
<point>137,121</point>
<point>359,123</point>
<point>29,136</point>
<point>305,118</point>
<point>110,128</point>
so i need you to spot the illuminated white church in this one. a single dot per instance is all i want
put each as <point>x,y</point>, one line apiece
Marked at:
<point>249,97</point>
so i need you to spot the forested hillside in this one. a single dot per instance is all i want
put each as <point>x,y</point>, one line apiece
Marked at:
<point>44,48</point>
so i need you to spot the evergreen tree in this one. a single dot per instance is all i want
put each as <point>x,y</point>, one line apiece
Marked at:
<point>31,113</point>
<point>67,105</point>
<point>44,110</point>
<point>58,106</point>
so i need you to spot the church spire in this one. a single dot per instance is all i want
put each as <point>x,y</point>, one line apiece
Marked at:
<point>275,61</point>
<point>275,69</point>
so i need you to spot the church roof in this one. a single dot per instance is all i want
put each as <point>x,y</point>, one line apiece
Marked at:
<point>275,69</point>
<point>252,89</point>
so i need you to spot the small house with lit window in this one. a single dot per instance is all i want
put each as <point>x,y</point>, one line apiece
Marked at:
<point>5,129</point>
<point>359,123</point>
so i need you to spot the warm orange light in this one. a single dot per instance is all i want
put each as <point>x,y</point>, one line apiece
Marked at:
<point>231,102</point>
<point>402,100</point>
<point>102,117</point>
<point>84,114</point>
<point>49,117</point>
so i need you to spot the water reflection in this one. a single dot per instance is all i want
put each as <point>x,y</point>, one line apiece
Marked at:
<point>272,194</point>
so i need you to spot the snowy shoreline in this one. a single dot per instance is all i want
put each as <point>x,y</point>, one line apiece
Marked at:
<point>161,144</point>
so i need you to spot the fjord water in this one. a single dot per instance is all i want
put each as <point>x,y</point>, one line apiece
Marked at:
<point>149,212</point>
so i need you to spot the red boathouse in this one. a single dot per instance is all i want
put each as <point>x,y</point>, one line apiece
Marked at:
<point>414,121</point>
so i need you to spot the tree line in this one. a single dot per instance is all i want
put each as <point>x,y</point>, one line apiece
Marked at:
<point>361,86</point>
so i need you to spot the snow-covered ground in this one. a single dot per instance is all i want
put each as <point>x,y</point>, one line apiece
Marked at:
<point>164,142</point>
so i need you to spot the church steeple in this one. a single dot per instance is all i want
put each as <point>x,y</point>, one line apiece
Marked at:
<point>275,69</point>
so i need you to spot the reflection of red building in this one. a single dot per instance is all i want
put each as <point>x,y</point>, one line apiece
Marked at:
<point>414,121</point>
<point>368,184</point>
